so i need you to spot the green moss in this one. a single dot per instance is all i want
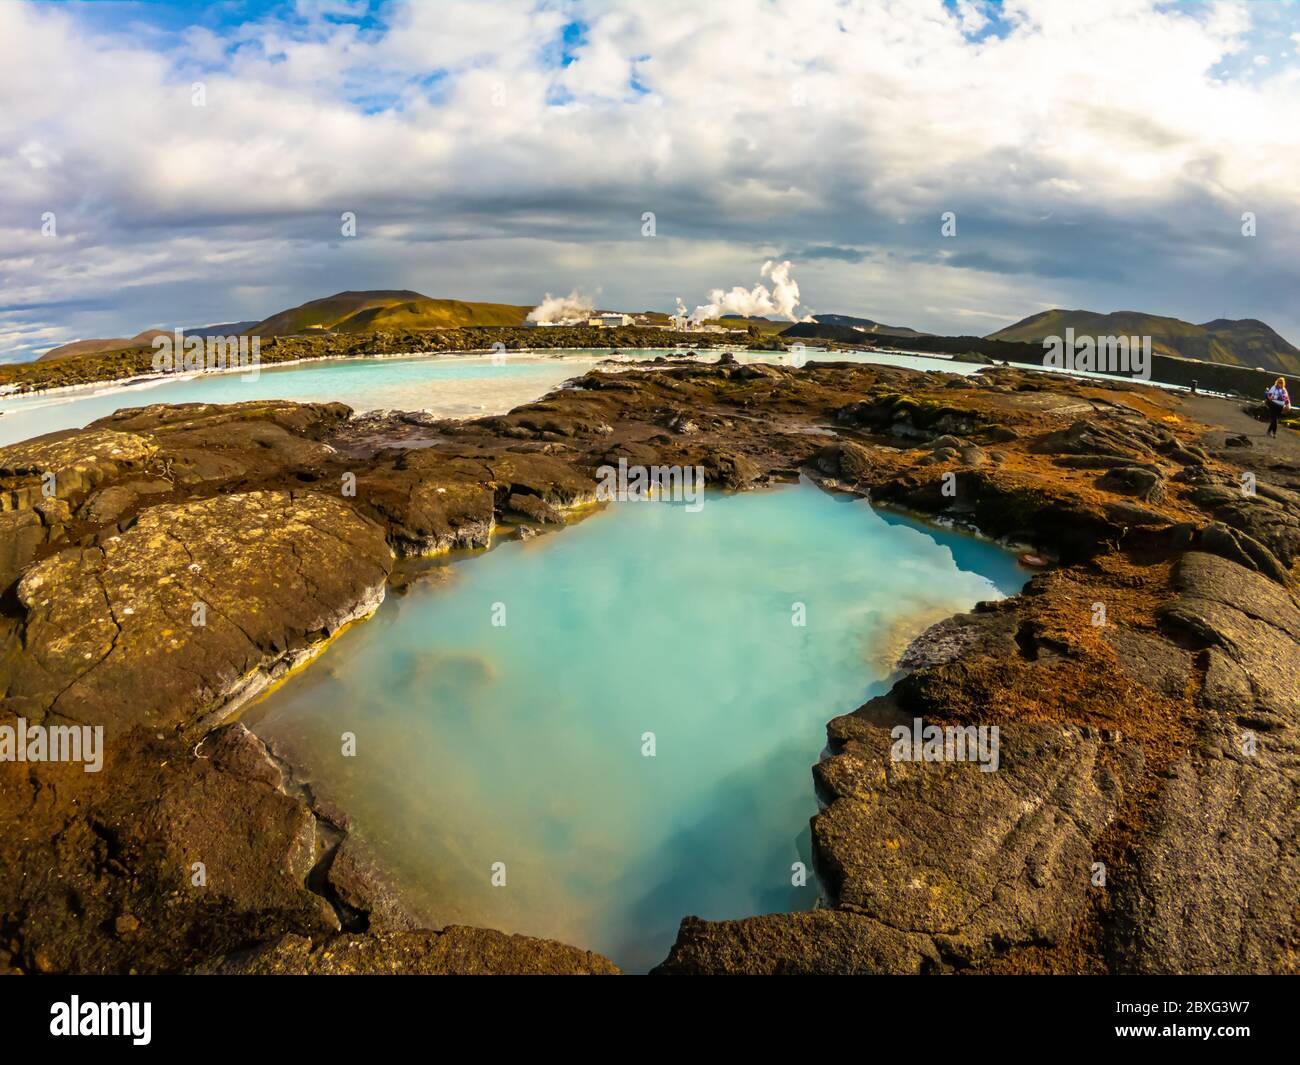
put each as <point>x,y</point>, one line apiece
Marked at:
<point>920,411</point>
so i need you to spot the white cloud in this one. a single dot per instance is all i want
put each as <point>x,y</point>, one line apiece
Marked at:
<point>757,124</point>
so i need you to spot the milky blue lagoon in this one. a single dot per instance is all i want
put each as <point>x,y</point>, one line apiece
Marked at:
<point>523,743</point>
<point>451,386</point>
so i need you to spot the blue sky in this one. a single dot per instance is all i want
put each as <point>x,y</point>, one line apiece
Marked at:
<point>197,158</point>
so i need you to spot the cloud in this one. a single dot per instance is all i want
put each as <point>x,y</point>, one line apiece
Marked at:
<point>491,148</point>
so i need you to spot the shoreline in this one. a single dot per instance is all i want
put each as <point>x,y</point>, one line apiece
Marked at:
<point>136,363</point>
<point>110,385</point>
<point>123,384</point>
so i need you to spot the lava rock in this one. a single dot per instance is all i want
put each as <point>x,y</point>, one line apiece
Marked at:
<point>1134,481</point>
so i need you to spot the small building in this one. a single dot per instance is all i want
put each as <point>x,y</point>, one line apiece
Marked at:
<point>610,321</point>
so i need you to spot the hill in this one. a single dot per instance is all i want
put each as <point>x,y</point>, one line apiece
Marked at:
<point>425,313</point>
<point>866,325</point>
<point>99,347</point>
<point>1247,342</point>
<point>225,329</point>
<point>386,309</point>
<point>1256,343</point>
<point>963,347</point>
<point>757,323</point>
<point>328,312</point>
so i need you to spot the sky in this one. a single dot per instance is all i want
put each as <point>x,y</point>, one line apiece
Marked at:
<point>183,164</point>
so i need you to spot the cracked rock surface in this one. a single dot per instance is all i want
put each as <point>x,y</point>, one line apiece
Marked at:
<point>193,609</point>
<point>455,950</point>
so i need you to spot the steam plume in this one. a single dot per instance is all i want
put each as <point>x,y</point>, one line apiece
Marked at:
<point>555,309</point>
<point>760,301</point>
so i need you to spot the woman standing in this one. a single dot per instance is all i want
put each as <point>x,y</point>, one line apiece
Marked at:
<point>1278,401</point>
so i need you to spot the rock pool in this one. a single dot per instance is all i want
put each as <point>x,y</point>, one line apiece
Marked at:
<point>591,734</point>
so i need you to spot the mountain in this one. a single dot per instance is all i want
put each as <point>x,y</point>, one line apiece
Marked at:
<point>1246,342</point>
<point>960,346</point>
<point>226,329</point>
<point>369,311</point>
<point>866,325</point>
<point>425,313</point>
<point>344,312</point>
<point>328,312</point>
<point>99,347</point>
<point>1256,343</point>
<point>140,340</point>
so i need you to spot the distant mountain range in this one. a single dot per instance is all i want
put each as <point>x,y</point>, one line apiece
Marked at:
<point>866,325</point>
<point>1246,342</point>
<point>344,312</point>
<point>140,340</point>
<point>95,347</point>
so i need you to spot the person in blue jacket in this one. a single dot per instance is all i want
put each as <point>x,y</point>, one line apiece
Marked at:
<point>1278,402</point>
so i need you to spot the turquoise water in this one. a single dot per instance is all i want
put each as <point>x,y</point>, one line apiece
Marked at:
<point>523,743</point>
<point>449,386</point>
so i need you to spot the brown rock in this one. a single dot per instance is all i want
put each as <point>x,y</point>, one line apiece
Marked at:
<point>796,944</point>
<point>110,633</point>
<point>455,950</point>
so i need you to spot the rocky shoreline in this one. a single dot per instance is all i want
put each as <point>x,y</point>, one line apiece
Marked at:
<point>1161,745</point>
<point>134,365</point>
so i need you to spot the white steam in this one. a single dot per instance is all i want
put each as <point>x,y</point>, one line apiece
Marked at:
<point>758,302</point>
<point>558,309</point>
